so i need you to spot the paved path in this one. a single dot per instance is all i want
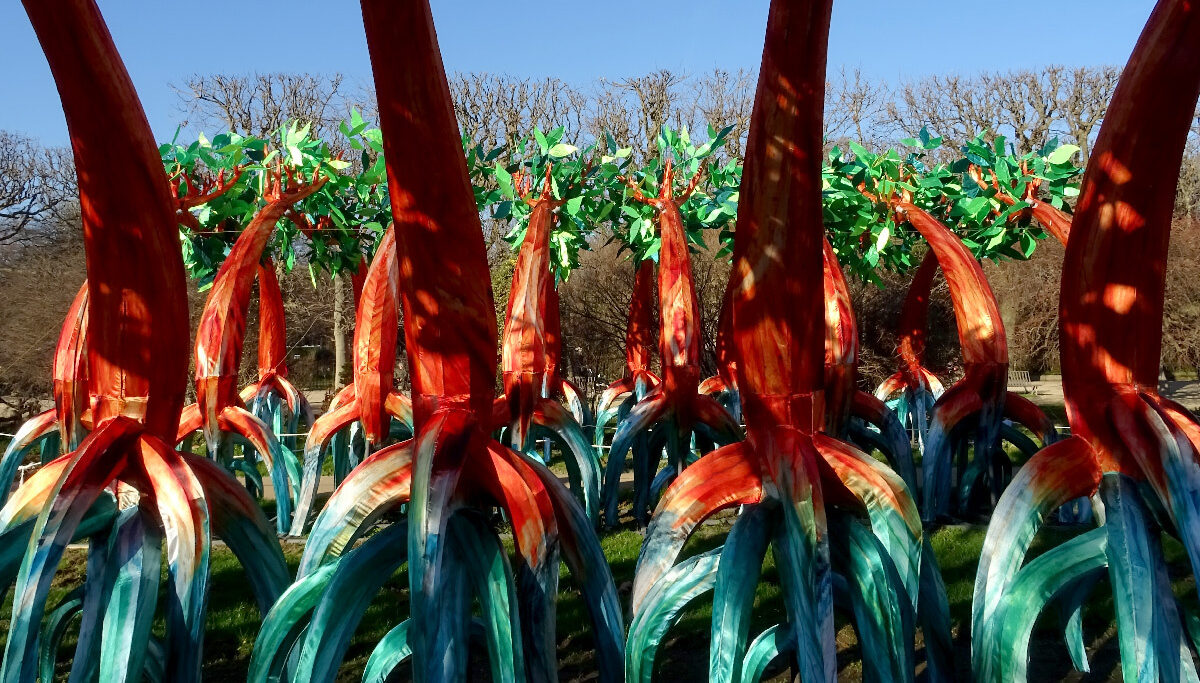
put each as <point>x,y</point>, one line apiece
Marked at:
<point>1049,392</point>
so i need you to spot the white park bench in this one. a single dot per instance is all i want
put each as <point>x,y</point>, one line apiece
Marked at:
<point>1022,379</point>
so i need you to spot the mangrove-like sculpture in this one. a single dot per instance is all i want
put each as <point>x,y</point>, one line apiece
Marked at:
<point>674,409</point>
<point>982,393</point>
<point>913,390</point>
<point>851,414</point>
<point>547,251</point>
<point>1133,450</point>
<point>621,396</point>
<point>137,370</point>
<point>219,411</point>
<point>530,351</point>
<point>825,507</point>
<point>640,339</point>
<point>372,400</point>
<point>273,391</point>
<point>452,472</point>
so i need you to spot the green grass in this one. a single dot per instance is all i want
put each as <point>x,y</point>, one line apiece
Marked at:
<point>1057,412</point>
<point>233,619</point>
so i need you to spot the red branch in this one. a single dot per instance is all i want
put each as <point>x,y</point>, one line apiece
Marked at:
<point>272,328</point>
<point>841,343</point>
<point>1054,220</point>
<point>679,308</point>
<point>639,331</point>
<point>1111,303</point>
<point>980,328</point>
<point>914,319</point>
<point>779,326</point>
<point>70,371</point>
<point>449,314</point>
<point>207,189</point>
<point>137,289</point>
<point>376,327</point>
<point>222,328</point>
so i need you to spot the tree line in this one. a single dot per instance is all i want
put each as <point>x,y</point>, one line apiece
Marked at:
<point>41,261</point>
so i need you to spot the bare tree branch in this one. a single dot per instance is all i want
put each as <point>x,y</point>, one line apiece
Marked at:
<point>37,185</point>
<point>259,104</point>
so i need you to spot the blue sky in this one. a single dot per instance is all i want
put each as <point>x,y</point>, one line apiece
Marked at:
<point>162,41</point>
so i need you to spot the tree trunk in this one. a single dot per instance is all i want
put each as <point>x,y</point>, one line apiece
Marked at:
<point>339,333</point>
<point>1008,314</point>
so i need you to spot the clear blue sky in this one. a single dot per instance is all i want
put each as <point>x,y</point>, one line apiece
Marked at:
<point>163,41</point>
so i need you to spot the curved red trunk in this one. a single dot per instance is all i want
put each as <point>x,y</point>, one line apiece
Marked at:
<point>726,365</point>
<point>1111,302</point>
<point>1054,220</point>
<point>449,314</point>
<point>639,331</point>
<point>679,309</point>
<point>980,328</point>
<point>841,342</point>
<point>529,348</point>
<point>526,346</point>
<point>70,371</point>
<point>778,321</point>
<point>553,333</point>
<point>272,328</point>
<point>222,329</point>
<point>376,328</point>
<point>914,319</point>
<point>137,299</point>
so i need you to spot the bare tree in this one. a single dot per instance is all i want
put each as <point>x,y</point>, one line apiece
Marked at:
<point>595,311</point>
<point>1181,310</point>
<point>1028,106</point>
<point>610,113</point>
<point>31,311</point>
<point>1027,103</point>
<point>726,98</point>
<point>1027,293</point>
<point>952,106</point>
<point>1187,196</point>
<point>856,107</point>
<point>500,109</point>
<point>1087,94</point>
<point>658,100</point>
<point>260,104</point>
<point>36,184</point>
